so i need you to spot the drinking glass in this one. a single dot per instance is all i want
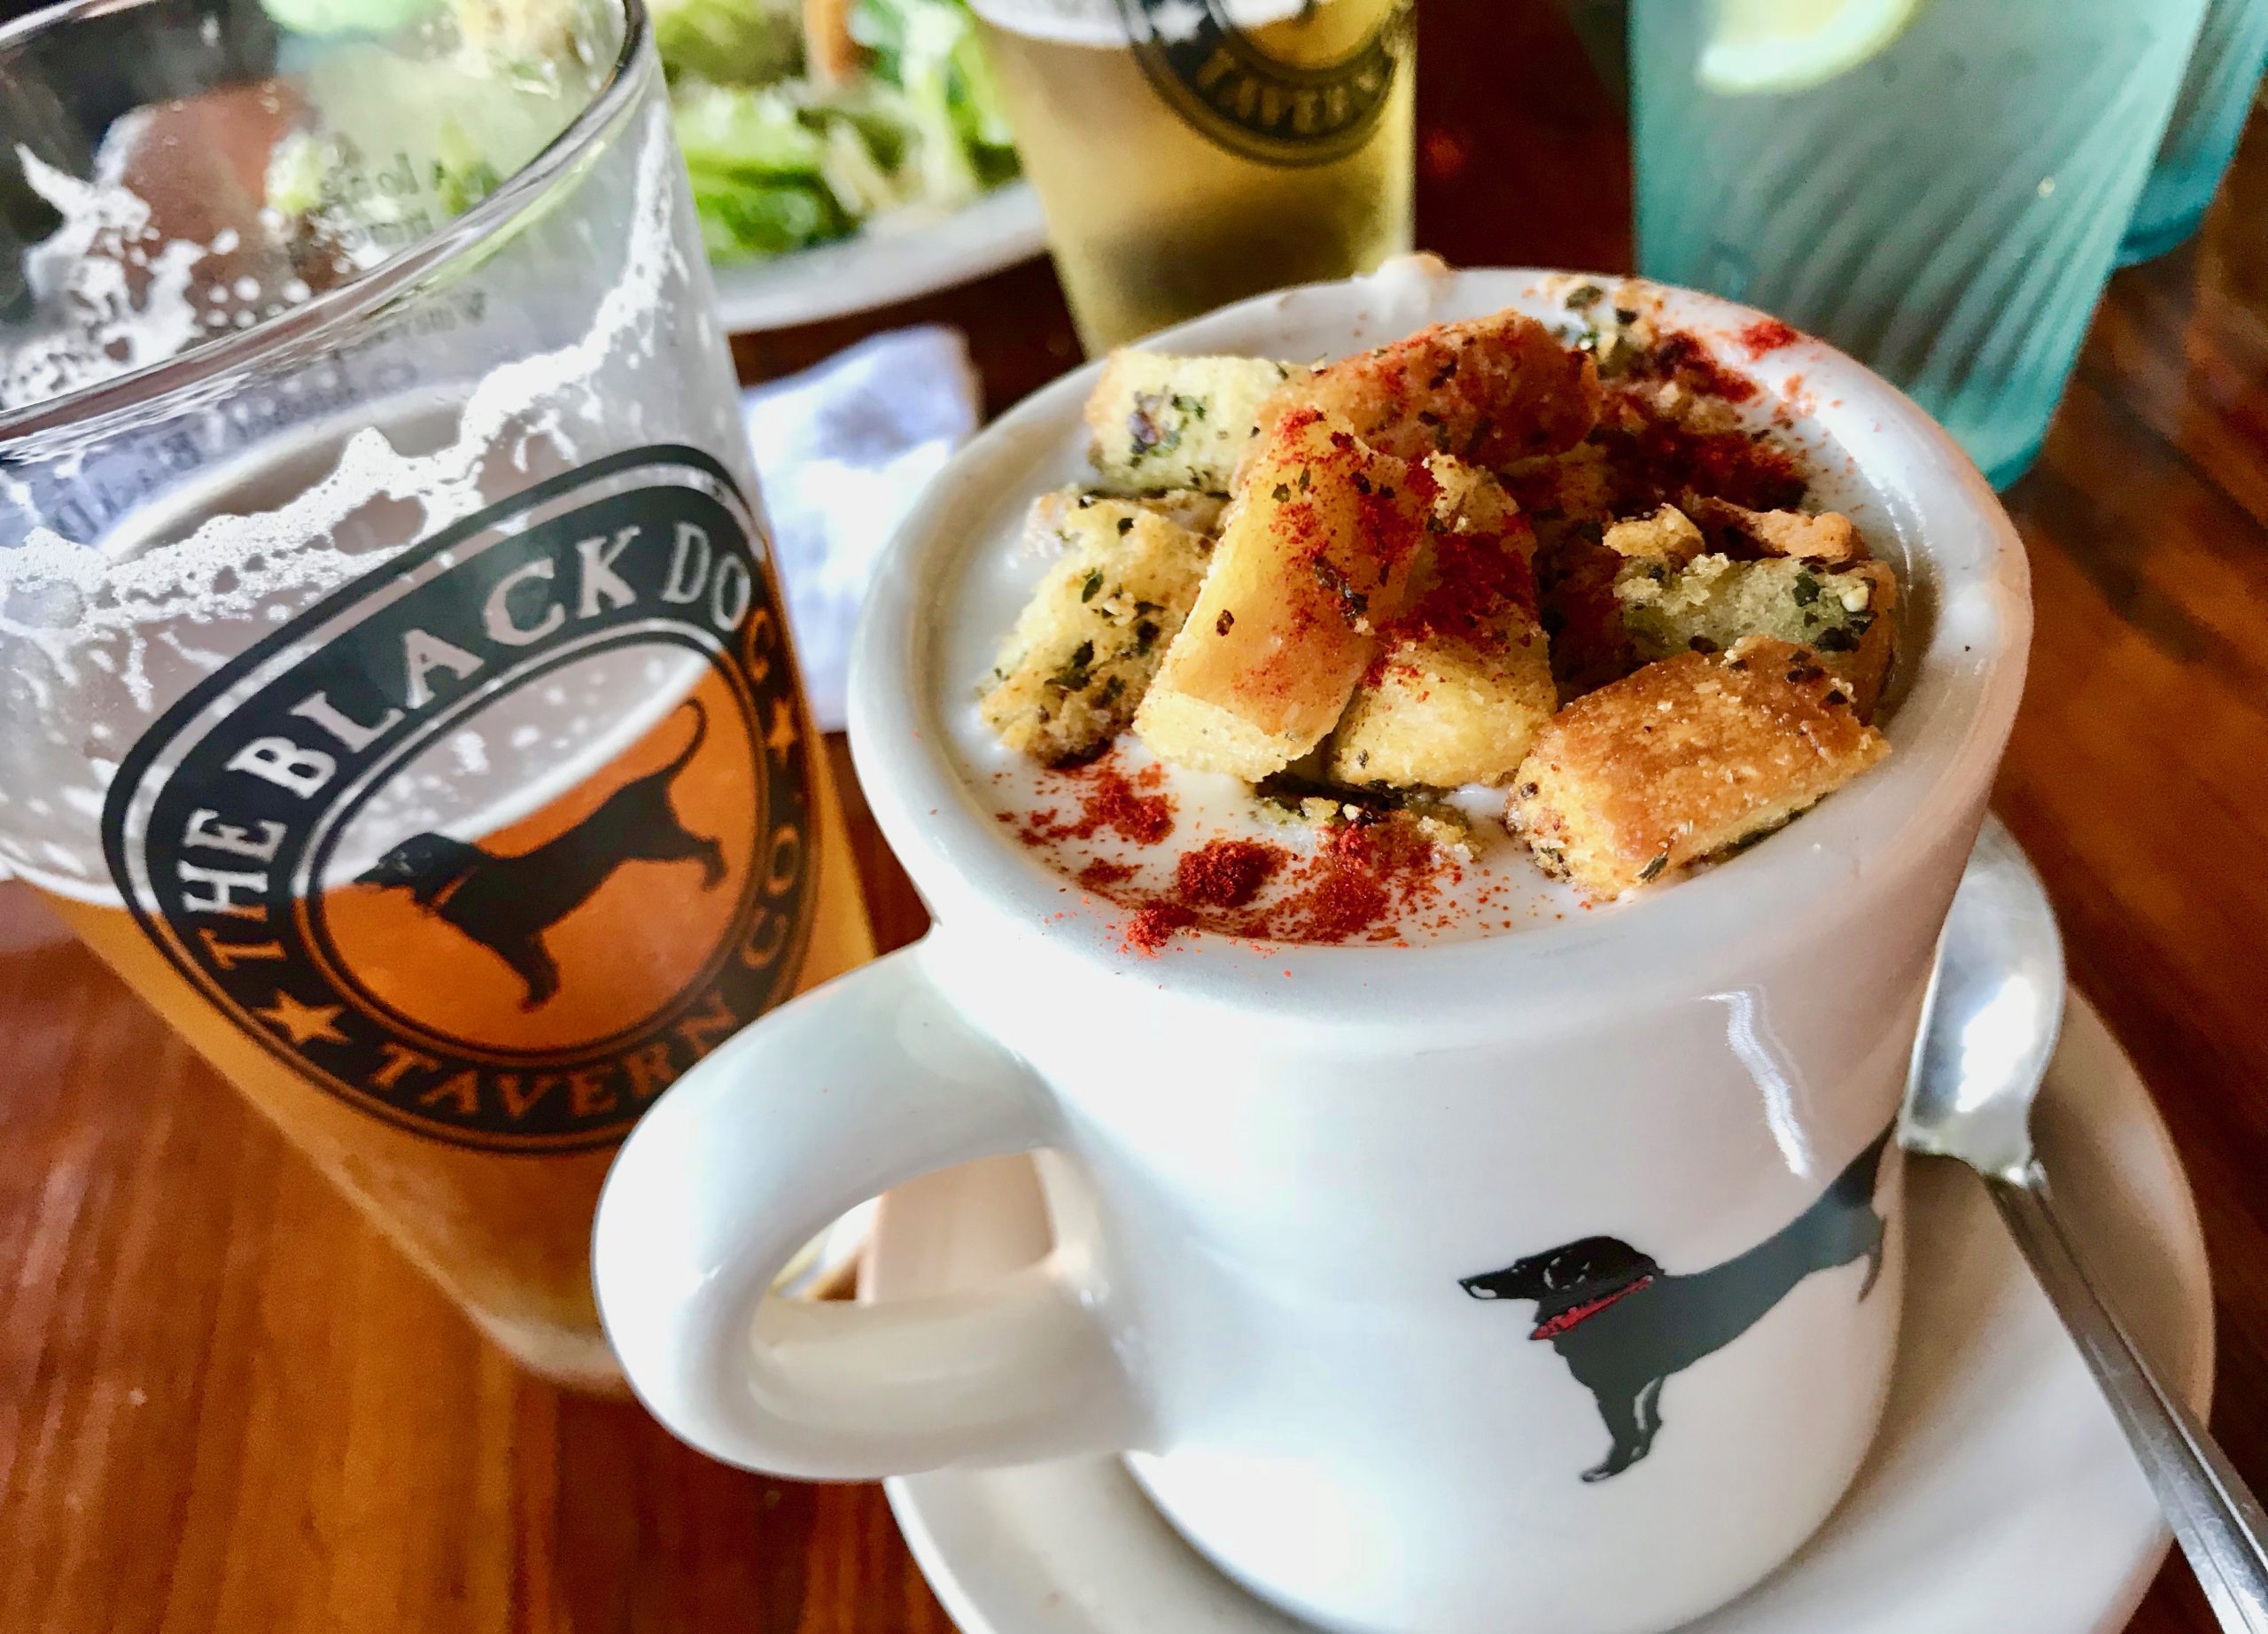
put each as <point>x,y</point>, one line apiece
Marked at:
<point>1947,210</point>
<point>1190,153</point>
<point>393,682</point>
<point>2209,115</point>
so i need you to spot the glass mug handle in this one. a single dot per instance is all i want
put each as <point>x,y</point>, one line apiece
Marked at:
<point>862,1084</point>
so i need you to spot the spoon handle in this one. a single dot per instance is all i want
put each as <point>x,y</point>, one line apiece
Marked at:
<point>2214,1515</point>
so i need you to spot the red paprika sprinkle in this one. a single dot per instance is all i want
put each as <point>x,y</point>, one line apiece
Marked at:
<point>1767,335</point>
<point>1342,903</point>
<point>1101,874</point>
<point>1108,799</point>
<point>1142,819</point>
<point>1152,926</point>
<point>1366,881</point>
<point>1226,873</point>
<point>1681,356</point>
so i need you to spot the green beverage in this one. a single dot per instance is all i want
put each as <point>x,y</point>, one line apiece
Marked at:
<point>2208,118</point>
<point>1938,188</point>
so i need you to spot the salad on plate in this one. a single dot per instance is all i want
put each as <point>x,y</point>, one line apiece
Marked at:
<point>804,121</point>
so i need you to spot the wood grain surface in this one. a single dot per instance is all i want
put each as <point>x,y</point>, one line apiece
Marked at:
<point>225,1405</point>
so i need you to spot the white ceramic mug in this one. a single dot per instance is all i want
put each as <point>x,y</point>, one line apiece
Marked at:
<point>1368,1257</point>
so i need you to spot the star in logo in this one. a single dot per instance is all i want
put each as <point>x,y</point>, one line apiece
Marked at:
<point>781,738</point>
<point>303,1023</point>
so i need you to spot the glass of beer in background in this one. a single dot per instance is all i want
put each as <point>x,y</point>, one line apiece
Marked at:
<point>1190,153</point>
<point>393,680</point>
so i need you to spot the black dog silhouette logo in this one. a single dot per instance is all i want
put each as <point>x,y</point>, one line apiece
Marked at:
<point>506,903</point>
<point>1623,1324</point>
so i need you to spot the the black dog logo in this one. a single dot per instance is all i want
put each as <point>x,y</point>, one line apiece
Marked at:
<point>507,903</point>
<point>1623,1324</point>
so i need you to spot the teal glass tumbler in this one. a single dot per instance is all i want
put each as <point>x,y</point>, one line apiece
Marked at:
<point>1946,209</point>
<point>2209,115</point>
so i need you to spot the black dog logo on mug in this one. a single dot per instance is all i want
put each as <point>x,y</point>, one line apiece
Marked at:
<point>1623,1324</point>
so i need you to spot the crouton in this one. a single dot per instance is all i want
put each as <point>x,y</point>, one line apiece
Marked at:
<point>1090,641</point>
<point>1589,646</point>
<point>1618,329</point>
<point>1463,680</point>
<point>1685,759</point>
<point>1489,390</point>
<point>1713,602</point>
<point>1827,537</point>
<point>1867,665</point>
<point>1471,501</point>
<point>1678,404</point>
<point>1044,525</point>
<point>1199,513</point>
<point>1443,710</point>
<point>1162,422</point>
<point>1668,535</point>
<point>1578,486</point>
<point>1316,552</point>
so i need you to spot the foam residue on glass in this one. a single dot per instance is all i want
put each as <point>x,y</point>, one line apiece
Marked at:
<point>371,144</point>
<point>113,293</point>
<point>233,524</point>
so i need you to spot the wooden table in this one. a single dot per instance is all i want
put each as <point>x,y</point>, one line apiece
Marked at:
<point>224,1404</point>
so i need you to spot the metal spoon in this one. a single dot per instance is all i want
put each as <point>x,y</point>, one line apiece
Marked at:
<point>1994,1009</point>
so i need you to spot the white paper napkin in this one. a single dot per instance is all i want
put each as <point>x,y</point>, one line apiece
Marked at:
<point>843,450</point>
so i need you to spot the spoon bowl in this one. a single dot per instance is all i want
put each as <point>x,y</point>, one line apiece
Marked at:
<point>1994,1010</point>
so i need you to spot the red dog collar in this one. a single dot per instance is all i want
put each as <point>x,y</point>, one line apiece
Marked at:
<point>1574,1314</point>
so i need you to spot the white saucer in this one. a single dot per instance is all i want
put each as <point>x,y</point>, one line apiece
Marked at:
<point>2000,1496</point>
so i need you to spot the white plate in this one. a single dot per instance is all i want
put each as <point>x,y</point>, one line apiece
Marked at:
<point>1999,1496</point>
<point>891,260</point>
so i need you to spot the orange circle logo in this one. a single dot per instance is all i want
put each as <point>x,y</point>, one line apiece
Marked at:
<point>499,840</point>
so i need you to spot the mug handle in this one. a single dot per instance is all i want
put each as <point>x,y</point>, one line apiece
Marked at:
<point>861,1085</point>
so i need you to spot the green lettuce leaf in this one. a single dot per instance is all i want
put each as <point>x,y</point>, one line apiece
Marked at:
<point>729,41</point>
<point>780,163</point>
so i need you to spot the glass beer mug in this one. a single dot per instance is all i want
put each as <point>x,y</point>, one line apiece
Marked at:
<point>1190,152</point>
<point>394,686</point>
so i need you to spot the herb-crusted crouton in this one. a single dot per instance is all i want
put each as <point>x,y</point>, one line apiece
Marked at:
<point>1489,390</point>
<point>1163,422</point>
<point>1713,602</point>
<point>1315,554</point>
<point>1684,759</point>
<point>1618,329</point>
<point>1045,525</point>
<point>1091,638</point>
<point>1199,513</point>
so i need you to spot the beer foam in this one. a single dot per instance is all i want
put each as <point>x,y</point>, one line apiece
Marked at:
<point>1102,23</point>
<point>100,630</point>
<point>114,291</point>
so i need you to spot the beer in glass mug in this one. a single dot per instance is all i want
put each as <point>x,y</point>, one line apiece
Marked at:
<point>395,687</point>
<point>1190,153</point>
